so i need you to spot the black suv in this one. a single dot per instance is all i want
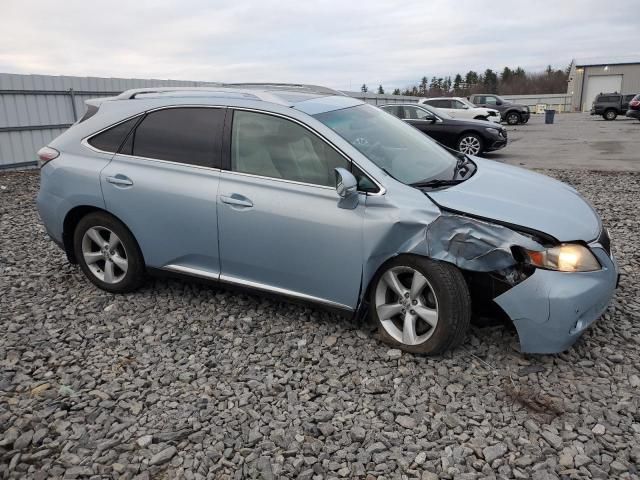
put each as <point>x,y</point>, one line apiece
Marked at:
<point>610,105</point>
<point>512,113</point>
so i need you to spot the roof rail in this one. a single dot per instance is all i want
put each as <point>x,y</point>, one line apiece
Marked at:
<point>215,87</point>
<point>132,93</point>
<point>302,87</point>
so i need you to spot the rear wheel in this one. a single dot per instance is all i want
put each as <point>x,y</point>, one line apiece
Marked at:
<point>420,305</point>
<point>610,115</point>
<point>470,143</point>
<point>108,254</point>
<point>513,118</point>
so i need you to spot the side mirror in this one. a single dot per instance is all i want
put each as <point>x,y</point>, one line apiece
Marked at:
<point>346,183</point>
<point>347,188</point>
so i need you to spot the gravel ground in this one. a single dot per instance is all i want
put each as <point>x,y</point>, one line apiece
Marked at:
<point>187,381</point>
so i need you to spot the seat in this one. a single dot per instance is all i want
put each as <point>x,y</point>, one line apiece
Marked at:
<point>251,154</point>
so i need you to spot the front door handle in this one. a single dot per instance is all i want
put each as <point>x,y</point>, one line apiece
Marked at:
<point>236,200</point>
<point>120,180</point>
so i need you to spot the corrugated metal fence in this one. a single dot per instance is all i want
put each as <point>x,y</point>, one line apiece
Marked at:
<point>34,109</point>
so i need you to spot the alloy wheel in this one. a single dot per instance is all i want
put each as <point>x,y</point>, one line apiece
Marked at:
<point>611,115</point>
<point>469,145</point>
<point>513,119</point>
<point>104,254</point>
<point>406,305</point>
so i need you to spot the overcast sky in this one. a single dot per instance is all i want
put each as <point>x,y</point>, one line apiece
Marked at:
<point>339,44</point>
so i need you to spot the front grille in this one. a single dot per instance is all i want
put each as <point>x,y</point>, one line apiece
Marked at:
<point>605,241</point>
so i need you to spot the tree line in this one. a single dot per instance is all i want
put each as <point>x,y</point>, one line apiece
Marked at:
<point>509,82</point>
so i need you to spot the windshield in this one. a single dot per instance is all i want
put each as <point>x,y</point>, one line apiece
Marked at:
<point>467,102</point>
<point>396,147</point>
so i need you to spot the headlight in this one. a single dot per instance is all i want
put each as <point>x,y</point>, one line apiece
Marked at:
<point>569,257</point>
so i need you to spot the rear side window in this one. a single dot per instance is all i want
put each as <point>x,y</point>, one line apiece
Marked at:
<point>479,100</point>
<point>440,103</point>
<point>184,135</point>
<point>111,139</point>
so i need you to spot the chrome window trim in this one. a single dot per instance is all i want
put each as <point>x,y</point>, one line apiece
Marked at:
<point>283,180</point>
<point>382,189</point>
<point>196,272</point>
<point>180,164</point>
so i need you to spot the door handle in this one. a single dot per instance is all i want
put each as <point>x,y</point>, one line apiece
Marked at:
<point>236,200</point>
<point>120,180</point>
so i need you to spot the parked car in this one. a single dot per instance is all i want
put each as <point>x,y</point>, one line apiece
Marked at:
<point>461,108</point>
<point>634,107</point>
<point>304,192</point>
<point>512,113</point>
<point>472,137</point>
<point>610,105</point>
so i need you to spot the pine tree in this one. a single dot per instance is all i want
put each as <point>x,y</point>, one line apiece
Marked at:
<point>456,82</point>
<point>396,91</point>
<point>423,85</point>
<point>364,88</point>
<point>380,90</point>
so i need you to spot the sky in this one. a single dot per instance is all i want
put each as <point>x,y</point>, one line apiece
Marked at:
<point>338,44</point>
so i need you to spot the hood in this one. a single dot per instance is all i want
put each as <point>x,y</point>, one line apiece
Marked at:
<point>520,197</point>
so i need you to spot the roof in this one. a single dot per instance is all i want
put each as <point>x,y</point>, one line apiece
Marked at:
<point>596,61</point>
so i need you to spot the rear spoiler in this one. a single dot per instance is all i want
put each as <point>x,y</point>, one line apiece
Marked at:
<point>93,104</point>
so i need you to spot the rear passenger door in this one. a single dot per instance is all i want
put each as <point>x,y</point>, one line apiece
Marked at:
<point>163,183</point>
<point>281,226</point>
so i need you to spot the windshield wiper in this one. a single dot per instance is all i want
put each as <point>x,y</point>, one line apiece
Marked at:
<point>436,183</point>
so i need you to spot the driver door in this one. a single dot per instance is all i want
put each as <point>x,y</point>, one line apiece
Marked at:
<point>280,226</point>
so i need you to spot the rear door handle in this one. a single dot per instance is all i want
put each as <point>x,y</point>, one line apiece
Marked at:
<point>120,180</point>
<point>236,200</point>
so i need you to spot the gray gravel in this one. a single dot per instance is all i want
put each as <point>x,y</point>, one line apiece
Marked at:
<point>186,381</point>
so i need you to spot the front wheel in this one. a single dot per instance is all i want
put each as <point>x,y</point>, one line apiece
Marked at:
<point>420,305</point>
<point>513,118</point>
<point>108,254</point>
<point>610,115</point>
<point>470,143</point>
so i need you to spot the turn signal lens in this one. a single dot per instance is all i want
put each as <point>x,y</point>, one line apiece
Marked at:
<point>569,257</point>
<point>46,154</point>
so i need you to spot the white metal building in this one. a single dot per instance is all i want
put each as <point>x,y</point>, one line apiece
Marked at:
<point>590,76</point>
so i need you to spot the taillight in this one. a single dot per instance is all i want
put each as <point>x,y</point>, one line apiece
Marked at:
<point>46,154</point>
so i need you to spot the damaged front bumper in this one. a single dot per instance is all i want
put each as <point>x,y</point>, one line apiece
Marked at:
<point>552,309</point>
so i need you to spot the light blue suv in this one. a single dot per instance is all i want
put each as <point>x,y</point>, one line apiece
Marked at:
<point>301,191</point>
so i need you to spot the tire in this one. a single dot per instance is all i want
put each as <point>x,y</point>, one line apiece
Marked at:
<point>610,115</point>
<point>108,254</point>
<point>443,300</point>
<point>470,143</point>
<point>525,120</point>
<point>513,118</point>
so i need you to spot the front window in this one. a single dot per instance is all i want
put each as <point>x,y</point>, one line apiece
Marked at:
<point>273,147</point>
<point>491,101</point>
<point>401,150</point>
